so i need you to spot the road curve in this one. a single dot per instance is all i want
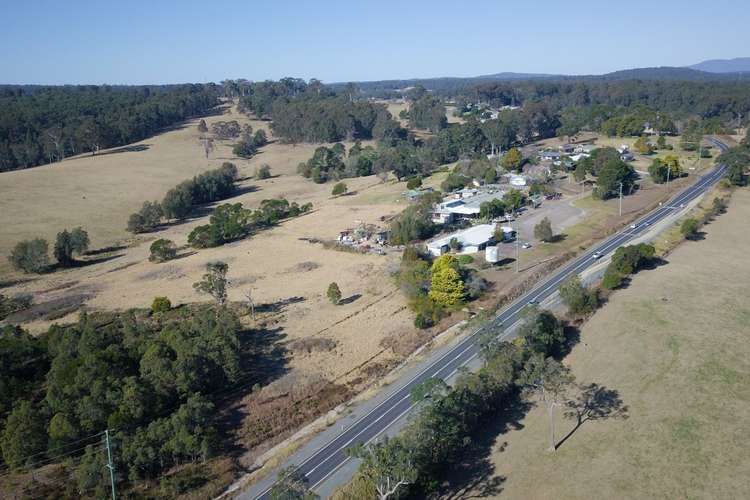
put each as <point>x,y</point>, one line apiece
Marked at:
<point>332,456</point>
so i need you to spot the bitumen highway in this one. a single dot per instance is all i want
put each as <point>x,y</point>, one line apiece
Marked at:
<point>331,456</point>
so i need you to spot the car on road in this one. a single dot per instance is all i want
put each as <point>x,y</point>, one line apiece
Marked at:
<point>526,245</point>
<point>634,225</point>
<point>597,255</point>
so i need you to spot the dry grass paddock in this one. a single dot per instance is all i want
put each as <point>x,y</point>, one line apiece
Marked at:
<point>674,345</point>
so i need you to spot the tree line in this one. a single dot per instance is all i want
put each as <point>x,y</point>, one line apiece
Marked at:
<point>180,201</point>
<point>47,124</point>
<point>310,112</point>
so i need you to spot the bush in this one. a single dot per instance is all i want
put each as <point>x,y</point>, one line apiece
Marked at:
<point>611,280</point>
<point>162,250</point>
<point>338,189</point>
<point>579,299</point>
<point>161,304</point>
<point>414,183</point>
<point>264,172</point>
<point>30,256</point>
<point>333,293</point>
<point>465,260</point>
<point>428,312</point>
<point>718,206</point>
<point>689,228</point>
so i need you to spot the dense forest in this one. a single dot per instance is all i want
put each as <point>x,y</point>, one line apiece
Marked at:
<point>151,378</point>
<point>46,124</point>
<point>313,113</point>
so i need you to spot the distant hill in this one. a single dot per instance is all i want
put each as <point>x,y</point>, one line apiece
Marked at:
<point>661,73</point>
<point>449,85</point>
<point>736,65</point>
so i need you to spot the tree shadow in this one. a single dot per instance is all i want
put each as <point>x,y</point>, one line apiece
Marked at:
<point>697,236</point>
<point>110,249</point>
<point>75,264</point>
<point>572,337</point>
<point>595,402</point>
<point>350,299</point>
<point>13,282</point>
<point>263,359</point>
<point>558,238</point>
<point>279,305</point>
<point>474,476</point>
<point>134,148</point>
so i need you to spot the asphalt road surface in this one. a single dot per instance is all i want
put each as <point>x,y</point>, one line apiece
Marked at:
<point>332,456</point>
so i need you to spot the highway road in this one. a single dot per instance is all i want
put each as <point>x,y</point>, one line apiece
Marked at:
<point>332,456</point>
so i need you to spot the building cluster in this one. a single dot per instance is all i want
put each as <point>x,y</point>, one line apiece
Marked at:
<point>368,237</point>
<point>474,239</point>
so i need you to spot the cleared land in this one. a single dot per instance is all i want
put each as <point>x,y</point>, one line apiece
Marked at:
<point>674,345</point>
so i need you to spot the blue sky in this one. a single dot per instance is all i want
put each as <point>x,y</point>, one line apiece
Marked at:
<point>158,41</point>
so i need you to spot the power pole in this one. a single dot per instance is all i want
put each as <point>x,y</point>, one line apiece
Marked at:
<point>110,465</point>
<point>621,199</point>
<point>669,170</point>
<point>518,234</point>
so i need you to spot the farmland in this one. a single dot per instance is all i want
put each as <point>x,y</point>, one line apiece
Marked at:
<point>673,346</point>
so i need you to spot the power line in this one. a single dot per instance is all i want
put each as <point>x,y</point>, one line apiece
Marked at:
<point>36,465</point>
<point>57,448</point>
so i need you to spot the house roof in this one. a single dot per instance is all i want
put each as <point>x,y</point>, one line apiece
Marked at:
<point>472,236</point>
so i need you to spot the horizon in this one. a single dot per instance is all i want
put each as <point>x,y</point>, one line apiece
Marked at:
<point>146,44</point>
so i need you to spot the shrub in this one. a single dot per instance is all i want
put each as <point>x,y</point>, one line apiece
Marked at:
<point>718,206</point>
<point>689,228</point>
<point>30,256</point>
<point>579,299</point>
<point>611,280</point>
<point>333,293</point>
<point>447,288</point>
<point>162,250</point>
<point>428,312</point>
<point>161,304</point>
<point>338,189</point>
<point>264,172</point>
<point>414,183</point>
<point>465,260</point>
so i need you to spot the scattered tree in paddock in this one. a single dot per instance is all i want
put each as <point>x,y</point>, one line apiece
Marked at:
<point>263,172</point>
<point>689,228</point>
<point>162,250</point>
<point>543,230</point>
<point>550,381</point>
<point>161,304</point>
<point>30,256</point>
<point>69,243</point>
<point>214,282</point>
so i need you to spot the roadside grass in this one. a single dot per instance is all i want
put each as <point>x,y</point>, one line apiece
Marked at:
<point>674,345</point>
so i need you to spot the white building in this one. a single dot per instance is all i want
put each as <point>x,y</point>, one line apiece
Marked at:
<point>471,240</point>
<point>465,207</point>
